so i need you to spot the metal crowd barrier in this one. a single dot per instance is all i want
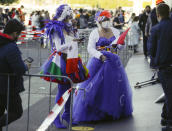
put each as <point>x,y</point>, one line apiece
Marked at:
<point>34,49</point>
<point>30,43</point>
<point>29,93</point>
<point>126,53</point>
<point>83,46</point>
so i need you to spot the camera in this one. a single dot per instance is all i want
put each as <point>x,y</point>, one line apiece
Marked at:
<point>29,60</point>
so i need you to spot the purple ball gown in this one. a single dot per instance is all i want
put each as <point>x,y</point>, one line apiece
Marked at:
<point>107,91</point>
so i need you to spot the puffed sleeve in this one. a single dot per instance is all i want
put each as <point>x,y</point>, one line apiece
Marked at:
<point>92,45</point>
<point>116,33</point>
<point>60,47</point>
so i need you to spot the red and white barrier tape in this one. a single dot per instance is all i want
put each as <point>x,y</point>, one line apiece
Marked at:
<point>29,35</point>
<point>55,111</point>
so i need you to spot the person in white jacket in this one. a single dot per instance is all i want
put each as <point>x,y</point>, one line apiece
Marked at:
<point>134,38</point>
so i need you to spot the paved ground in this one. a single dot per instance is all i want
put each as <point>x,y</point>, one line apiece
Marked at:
<point>146,115</point>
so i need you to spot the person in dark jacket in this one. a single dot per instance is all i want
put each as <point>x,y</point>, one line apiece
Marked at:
<point>11,62</point>
<point>142,25</point>
<point>161,52</point>
<point>83,19</point>
<point>151,21</point>
<point>1,19</point>
<point>116,21</point>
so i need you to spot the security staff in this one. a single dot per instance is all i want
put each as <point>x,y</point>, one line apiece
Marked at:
<point>11,62</point>
<point>161,52</point>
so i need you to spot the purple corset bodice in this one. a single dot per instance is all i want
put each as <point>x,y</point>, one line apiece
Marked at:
<point>105,41</point>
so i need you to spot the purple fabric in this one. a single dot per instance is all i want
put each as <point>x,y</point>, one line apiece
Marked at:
<point>61,90</point>
<point>104,41</point>
<point>45,69</point>
<point>57,26</point>
<point>97,15</point>
<point>108,92</point>
<point>59,11</point>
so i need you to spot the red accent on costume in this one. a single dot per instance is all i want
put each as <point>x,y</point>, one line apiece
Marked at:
<point>43,31</point>
<point>105,13</point>
<point>53,54</point>
<point>62,81</point>
<point>30,22</point>
<point>13,14</point>
<point>159,1</point>
<point>72,65</point>
<point>122,37</point>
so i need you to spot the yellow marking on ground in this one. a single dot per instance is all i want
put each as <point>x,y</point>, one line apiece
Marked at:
<point>82,128</point>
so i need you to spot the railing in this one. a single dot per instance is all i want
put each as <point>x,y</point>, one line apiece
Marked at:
<point>33,48</point>
<point>126,53</point>
<point>30,43</point>
<point>29,92</point>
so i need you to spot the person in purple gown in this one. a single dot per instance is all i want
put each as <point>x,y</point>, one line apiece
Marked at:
<point>107,92</point>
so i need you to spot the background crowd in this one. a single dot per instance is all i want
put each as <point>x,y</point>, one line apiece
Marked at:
<point>85,19</point>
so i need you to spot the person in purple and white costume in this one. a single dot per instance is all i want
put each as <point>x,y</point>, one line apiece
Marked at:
<point>64,44</point>
<point>107,92</point>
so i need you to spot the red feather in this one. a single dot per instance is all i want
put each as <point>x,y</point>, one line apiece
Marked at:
<point>122,37</point>
<point>105,13</point>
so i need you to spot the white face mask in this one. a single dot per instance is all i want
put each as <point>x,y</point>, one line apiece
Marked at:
<point>70,22</point>
<point>106,24</point>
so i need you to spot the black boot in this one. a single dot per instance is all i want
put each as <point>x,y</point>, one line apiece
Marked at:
<point>167,128</point>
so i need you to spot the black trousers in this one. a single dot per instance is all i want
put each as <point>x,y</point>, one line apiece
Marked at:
<point>145,48</point>
<point>165,77</point>
<point>15,109</point>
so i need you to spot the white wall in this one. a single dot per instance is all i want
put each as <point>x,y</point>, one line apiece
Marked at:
<point>169,2</point>
<point>137,7</point>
